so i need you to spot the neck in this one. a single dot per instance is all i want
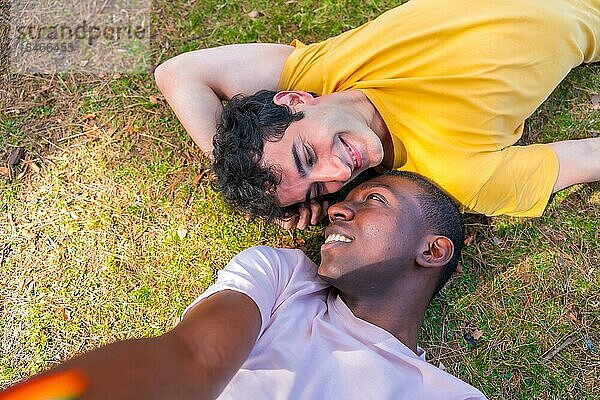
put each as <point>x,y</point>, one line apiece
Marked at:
<point>399,310</point>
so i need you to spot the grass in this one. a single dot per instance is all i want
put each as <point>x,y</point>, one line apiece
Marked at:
<point>111,227</point>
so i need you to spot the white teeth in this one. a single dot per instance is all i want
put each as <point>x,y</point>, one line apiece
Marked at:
<point>334,237</point>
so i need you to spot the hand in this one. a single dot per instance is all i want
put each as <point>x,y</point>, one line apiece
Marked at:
<point>307,214</point>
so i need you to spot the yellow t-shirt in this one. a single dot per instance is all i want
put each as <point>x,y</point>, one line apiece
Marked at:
<point>454,81</point>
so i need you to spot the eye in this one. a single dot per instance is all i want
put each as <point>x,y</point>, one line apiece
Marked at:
<point>310,158</point>
<point>376,197</point>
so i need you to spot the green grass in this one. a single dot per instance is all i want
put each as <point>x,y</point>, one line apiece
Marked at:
<point>111,226</point>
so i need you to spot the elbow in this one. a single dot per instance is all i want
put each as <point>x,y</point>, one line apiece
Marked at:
<point>162,77</point>
<point>169,74</point>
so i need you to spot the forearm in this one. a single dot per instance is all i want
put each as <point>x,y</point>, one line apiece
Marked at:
<point>196,105</point>
<point>195,360</point>
<point>579,162</point>
<point>198,113</point>
<point>157,368</point>
<point>196,82</point>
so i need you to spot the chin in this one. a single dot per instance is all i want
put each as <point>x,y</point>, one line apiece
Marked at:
<point>328,273</point>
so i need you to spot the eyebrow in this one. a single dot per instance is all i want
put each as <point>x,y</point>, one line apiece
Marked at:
<point>377,185</point>
<point>301,170</point>
<point>374,186</point>
<point>297,161</point>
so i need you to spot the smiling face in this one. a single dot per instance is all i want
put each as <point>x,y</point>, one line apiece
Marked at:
<point>375,231</point>
<point>323,151</point>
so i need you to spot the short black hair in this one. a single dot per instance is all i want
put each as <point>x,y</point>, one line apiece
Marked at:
<point>441,214</point>
<point>246,123</point>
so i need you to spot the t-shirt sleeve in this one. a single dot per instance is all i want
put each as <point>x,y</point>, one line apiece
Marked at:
<point>261,273</point>
<point>303,69</point>
<point>521,184</point>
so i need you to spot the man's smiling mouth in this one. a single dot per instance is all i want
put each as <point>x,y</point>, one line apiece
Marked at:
<point>355,155</point>
<point>336,237</point>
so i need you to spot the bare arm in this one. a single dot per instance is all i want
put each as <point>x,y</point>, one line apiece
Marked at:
<point>195,360</point>
<point>195,83</point>
<point>579,161</point>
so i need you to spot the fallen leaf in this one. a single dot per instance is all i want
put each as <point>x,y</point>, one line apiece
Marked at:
<point>153,99</point>
<point>4,171</point>
<point>15,156</point>
<point>572,317</point>
<point>470,239</point>
<point>66,314</point>
<point>253,14</point>
<point>91,124</point>
<point>477,334</point>
<point>299,242</point>
<point>182,233</point>
<point>116,76</point>
<point>595,102</point>
<point>88,116</point>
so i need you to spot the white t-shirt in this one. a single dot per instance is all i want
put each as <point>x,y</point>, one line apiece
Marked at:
<point>311,346</point>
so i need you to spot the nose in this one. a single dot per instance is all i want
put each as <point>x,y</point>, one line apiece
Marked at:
<point>331,170</point>
<point>341,211</point>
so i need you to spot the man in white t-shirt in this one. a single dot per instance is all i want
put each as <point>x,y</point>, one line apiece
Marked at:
<point>276,326</point>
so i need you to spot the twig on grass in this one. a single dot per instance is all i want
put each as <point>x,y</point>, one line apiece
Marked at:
<point>158,139</point>
<point>550,354</point>
<point>52,144</point>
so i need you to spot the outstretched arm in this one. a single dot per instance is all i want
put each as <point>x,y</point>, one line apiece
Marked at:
<point>195,360</point>
<point>195,83</point>
<point>579,162</point>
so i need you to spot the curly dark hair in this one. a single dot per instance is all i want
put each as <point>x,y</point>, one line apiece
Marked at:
<point>247,122</point>
<point>441,214</point>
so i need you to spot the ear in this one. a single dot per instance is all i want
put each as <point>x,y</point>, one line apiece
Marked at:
<point>437,251</point>
<point>293,99</point>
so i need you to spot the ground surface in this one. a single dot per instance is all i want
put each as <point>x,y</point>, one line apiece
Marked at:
<point>109,226</point>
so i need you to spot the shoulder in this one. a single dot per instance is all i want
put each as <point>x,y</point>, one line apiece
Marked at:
<point>273,255</point>
<point>279,260</point>
<point>274,275</point>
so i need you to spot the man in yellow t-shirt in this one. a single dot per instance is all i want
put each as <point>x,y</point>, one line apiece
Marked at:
<point>434,87</point>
